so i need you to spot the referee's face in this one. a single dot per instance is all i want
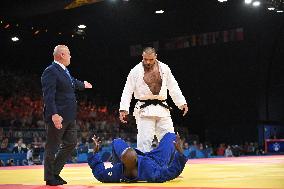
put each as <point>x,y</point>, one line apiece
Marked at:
<point>65,55</point>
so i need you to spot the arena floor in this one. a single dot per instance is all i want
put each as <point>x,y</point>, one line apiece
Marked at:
<point>256,172</point>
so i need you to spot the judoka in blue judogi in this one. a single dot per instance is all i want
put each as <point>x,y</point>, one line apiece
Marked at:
<point>164,163</point>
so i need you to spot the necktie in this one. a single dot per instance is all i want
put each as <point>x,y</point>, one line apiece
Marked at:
<point>66,70</point>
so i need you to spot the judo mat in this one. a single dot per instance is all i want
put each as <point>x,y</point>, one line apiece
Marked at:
<point>254,172</point>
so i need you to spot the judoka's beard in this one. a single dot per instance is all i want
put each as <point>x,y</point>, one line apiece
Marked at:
<point>148,66</point>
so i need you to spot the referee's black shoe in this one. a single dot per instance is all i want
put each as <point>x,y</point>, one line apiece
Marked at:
<point>53,182</point>
<point>57,177</point>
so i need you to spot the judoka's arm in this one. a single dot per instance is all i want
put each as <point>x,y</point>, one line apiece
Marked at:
<point>98,168</point>
<point>177,165</point>
<point>100,172</point>
<point>174,170</point>
<point>175,92</point>
<point>127,96</point>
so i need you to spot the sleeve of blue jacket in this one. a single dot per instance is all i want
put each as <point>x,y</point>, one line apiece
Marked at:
<point>174,169</point>
<point>79,85</point>
<point>113,174</point>
<point>48,81</point>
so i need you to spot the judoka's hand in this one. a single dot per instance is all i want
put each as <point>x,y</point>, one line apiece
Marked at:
<point>88,85</point>
<point>122,116</point>
<point>184,108</point>
<point>97,143</point>
<point>178,144</point>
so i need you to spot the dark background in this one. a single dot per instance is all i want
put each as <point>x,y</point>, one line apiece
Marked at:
<point>231,88</point>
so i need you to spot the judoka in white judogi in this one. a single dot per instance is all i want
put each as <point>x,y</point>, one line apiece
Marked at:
<point>154,118</point>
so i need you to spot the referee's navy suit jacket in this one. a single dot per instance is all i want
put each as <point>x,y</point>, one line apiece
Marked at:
<point>59,93</point>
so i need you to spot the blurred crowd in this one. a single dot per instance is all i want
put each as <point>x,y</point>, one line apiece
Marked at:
<point>200,150</point>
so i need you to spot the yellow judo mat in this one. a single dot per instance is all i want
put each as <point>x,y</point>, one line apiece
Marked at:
<point>212,173</point>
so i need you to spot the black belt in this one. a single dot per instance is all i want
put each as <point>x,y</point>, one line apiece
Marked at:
<point>154,102</point>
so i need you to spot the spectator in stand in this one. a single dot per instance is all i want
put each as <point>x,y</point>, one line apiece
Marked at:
<point>82,146</point>
<point>10,162</point>
<point>186,149</point>
<point>208,150</point>
<point>19,147</point>
<point>245,148</point>
<point>200,151</point>
<point>228,152</point>
<point>2,164</point>
<point>193,148</point>
<point>221,150</point>
<point>251,149</point>
<point>4,146</point>
<point>30,154</point>
<point>236,149</point>
<point>258,150</point>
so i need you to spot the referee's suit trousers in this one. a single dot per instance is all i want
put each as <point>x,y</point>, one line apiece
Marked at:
<point>60,144</point>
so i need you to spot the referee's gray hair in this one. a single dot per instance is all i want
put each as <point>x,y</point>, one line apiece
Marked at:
<point>58,48</point>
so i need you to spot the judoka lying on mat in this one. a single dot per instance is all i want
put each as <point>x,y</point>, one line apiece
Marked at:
<point>164,163</point>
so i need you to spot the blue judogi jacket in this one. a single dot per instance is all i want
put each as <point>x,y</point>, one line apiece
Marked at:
<point>155,166</point>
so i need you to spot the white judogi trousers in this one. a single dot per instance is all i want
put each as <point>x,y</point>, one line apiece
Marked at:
<point>148,126</point>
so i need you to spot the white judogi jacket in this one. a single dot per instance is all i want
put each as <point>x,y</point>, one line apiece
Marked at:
<point>136,84</point>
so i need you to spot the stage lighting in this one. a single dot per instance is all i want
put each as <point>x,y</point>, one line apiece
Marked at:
<point>256,3</point>
<point>248,1</point>
<point>15,39</point>
<point>159,12</point>
<point>82,26</point>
